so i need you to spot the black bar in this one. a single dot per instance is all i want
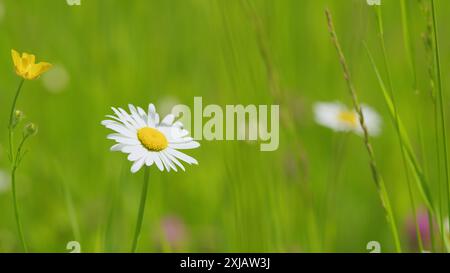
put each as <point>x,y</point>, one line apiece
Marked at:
<point>223,262</point>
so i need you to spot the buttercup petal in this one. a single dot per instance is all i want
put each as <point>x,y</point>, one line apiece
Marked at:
<point>16,58</point>
<point>38,69</point>
<point>28,59</point>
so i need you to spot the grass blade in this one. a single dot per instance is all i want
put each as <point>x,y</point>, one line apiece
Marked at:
<point>411,158</point>
<point>375,173</point>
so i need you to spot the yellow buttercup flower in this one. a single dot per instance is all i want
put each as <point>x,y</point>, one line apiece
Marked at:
<point>26,65</point>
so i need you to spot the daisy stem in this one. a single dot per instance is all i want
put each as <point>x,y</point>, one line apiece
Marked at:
<point>141,210</point>
<point>14,164</point>
<point>379,183</point>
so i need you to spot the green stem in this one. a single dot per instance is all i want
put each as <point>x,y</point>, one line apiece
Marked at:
<point>141,210</point>
<point>441,102</point>
<point>13,183</point>
<point>373,166</point>
<point>11,119</point>
<point>439,212</point>
<point>14,164</point>
<point>409,48</point>
<point>16,210</point>
<point>396,120</point>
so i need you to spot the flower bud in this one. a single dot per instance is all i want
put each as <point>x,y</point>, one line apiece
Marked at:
<point>30,130</point>
<point>17,118</point>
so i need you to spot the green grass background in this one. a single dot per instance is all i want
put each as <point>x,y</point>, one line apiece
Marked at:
<point>238,198</point>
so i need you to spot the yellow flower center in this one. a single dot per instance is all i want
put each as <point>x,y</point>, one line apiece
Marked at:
<point>348,117</point>
<point>152,139</point>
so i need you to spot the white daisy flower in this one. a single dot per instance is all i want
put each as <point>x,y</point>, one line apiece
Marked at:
<point>374,2</point>
<point>147,140</point>
<point>338,117</point>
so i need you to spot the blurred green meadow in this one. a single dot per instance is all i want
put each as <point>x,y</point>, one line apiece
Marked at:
<point>314,194</point>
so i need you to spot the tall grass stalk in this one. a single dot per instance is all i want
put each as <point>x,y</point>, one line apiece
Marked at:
<point>411,158</point>
<point>379,183</point>
<point>441,98</point>
<point>428,43</point>
<point>409,49</point>
<point>408,44</point>
<point>379,16</point>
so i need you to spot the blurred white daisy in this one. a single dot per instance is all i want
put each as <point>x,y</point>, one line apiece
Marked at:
<point>4,181</point>
<point>56,79</point>
<point>374,2</point>
<point>338,117</point>
<point>148,141</point>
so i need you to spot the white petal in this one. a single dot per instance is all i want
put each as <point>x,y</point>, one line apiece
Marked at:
<point>158,161</point>
<point>168,120</point>
<point>124,117</point>
<point>142,113</point>
<point>121,130</point>
<point>118,147</point>
<point>149,160</point>
<point>136,155</point>
<point>116,120</point>
<point>156,119</point>
<point>167,161</point>
<point>118,114</point>
<point>183,146</point>
<point>133,149</point>
<point>151,108</point>
<point>123,140</point>
<point>135,115</point>
<point>173,159</point>
<point>128,118</point>
<point>182,156</point>
<point>137,165</point>
<point>151,122</point>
